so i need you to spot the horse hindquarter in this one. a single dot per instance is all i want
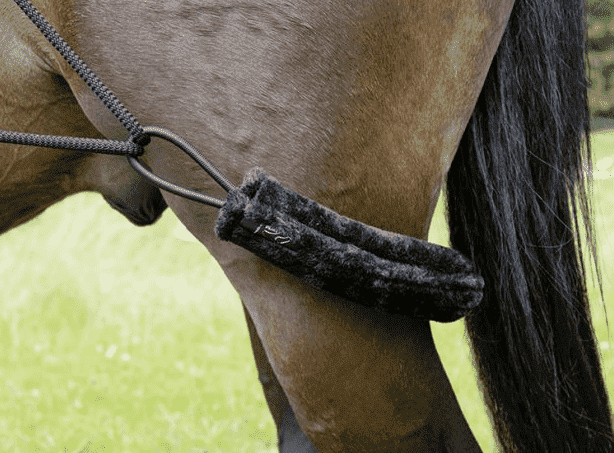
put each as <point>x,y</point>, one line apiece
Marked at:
<point>360,106</point>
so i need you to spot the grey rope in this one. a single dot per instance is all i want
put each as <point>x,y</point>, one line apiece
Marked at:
<point>138,139</point>
<point>97,145</point>
<point>139,135</point>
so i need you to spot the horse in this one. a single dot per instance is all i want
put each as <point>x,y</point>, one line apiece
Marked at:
<point>367,107</point>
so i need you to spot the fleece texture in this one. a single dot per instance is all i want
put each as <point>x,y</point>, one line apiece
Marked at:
<point>363,264</point>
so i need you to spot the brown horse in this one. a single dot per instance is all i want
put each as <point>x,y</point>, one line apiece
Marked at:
<point>365,107</point>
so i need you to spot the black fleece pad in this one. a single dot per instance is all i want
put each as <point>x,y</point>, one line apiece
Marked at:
<point>373,267</point>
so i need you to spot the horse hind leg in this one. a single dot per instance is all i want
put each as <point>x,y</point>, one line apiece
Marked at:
<point>290,438</point>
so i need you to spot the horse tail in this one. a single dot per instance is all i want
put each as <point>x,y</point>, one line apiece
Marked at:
<point>518,206</point>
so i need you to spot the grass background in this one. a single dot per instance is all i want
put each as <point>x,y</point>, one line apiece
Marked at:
<point>122,339</point>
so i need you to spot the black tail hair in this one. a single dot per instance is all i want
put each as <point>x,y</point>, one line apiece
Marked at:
<point>517,200</point>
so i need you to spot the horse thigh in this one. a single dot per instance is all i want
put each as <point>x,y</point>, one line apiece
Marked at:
<point>356,379</point>
<point>289,436</point>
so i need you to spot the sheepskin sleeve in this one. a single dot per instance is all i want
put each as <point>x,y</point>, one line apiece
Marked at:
<point>363,264</point>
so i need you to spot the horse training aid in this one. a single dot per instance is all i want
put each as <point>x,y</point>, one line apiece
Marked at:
<point>364,264</point>
<point>364,106</point>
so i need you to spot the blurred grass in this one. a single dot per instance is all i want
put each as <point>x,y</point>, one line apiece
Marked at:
<point>122,339</point>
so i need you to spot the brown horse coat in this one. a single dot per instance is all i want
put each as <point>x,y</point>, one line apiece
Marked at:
<point>359,106</point>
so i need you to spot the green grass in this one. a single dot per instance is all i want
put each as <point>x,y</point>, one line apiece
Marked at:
<point>122,339</point>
